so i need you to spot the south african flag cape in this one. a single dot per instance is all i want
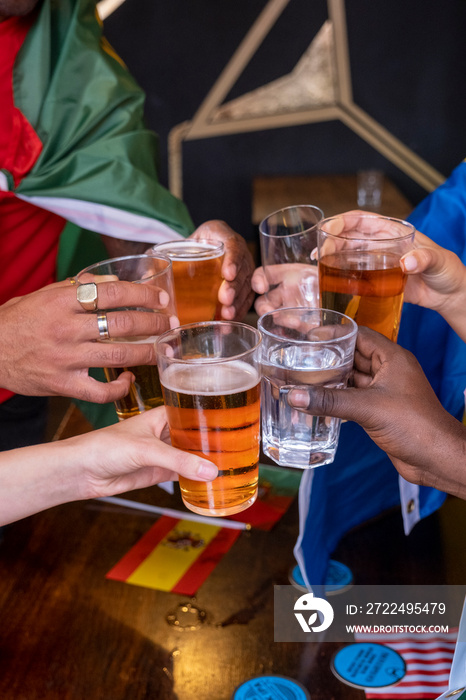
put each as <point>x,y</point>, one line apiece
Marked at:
<point>96,166</point>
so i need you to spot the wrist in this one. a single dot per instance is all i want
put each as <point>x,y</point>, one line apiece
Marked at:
<point>36,478</point>
<point>453,311</point>
<point>446,467</point>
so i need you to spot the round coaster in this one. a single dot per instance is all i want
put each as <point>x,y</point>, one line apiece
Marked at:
<point>271,687</point>
<point>368,665</point>
<point>339,578</point>
<point>296,579</point>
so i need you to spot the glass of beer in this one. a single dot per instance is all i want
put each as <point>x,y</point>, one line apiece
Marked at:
<point>151,269</point>
<point>302,347</point>
<point>288,238</point>
<point>197,275</point>
<point>210,376</point>
<point>359,268</point>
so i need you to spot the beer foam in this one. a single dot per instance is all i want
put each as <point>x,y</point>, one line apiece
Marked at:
<point>191,252</point>
<point>210,379</point>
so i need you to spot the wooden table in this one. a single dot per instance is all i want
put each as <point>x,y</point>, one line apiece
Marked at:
<point>333,194</point>
<point>68,633</point>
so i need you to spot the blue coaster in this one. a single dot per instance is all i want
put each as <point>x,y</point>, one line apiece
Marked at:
<point>368,665</point>
<point>339,578</point>
<point>296,578</point>
<point>273,687</point>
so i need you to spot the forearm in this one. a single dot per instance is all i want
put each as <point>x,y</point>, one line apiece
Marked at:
<point>454,311</point>
<point>443,459</point>
<point>35,478</point>
<point>117,247</point>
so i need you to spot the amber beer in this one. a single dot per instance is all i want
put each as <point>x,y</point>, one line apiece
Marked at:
<point>149,269</point>
<point>197,274</point>
<point>144,394</point>
<point>368,286</point>
<point>214,411</point>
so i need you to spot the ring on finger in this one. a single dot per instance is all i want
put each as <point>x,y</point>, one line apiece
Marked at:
<point>102,323</point>
<point>86,294</point>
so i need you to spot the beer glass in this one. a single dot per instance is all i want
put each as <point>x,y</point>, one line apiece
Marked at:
<point>302,347</point>
<point>197,276</point>
<point>288,238</point>
<point>210,376</point>
<point>151,269</point>
<point>359,268</point>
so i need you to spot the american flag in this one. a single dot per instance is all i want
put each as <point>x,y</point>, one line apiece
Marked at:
<point>428,659</point>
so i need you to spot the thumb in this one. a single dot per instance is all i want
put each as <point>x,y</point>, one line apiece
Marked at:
<point>89,389</point>
<point>421,260</point>
<point>340,403</point>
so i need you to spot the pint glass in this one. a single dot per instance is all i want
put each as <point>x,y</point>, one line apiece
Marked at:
<point>302,347</point>
<point>197,276</point>
<point>359,268</point>
<point>210,376</point>
<point>151,269</point>
<point>288,238</point>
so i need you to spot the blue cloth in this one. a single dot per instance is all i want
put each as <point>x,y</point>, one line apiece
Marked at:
<point>362,482</point>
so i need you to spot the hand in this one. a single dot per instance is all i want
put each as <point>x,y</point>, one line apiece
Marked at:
<point>134,454</point>
<point>397,407</point>
<point>235,293</point>
<point>437,277</point>
<point>48,342</point>
<point>294,284</point>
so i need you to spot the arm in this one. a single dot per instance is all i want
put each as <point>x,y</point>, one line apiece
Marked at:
<point>437,280</point>
<point>396,406</point>
<point>48,342</point>
<point>116,247</point>
<point>126,456</point>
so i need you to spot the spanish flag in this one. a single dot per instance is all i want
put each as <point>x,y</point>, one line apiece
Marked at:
<point>178,555</point>
<point>175,555</point>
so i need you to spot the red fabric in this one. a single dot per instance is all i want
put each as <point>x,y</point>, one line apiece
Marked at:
<point>28,235</point>
<point>206,562</point>
<point>19,144</point>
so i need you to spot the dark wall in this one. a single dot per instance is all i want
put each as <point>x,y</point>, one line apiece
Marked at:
<point>408,63</point>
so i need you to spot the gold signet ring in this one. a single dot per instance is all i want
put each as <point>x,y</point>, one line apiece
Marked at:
<point>86,294</point>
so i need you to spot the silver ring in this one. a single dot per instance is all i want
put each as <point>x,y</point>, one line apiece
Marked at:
<point>103,326</point>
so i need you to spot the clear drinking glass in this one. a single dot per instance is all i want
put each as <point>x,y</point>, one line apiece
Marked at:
<point>197,276</point>
<point>370,187</point>
<point>288,238</point>
<point>302,347</point>
<point>359,268</point>
<point>150,269</point>
<point>210,376</point>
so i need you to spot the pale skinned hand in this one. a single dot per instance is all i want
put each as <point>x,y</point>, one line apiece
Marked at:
<point>395,404</point>
<point>48,342</point>
<point>133,454</point>
<point>436,280</point>
<point>235,293</point>
<point>297,284</point>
